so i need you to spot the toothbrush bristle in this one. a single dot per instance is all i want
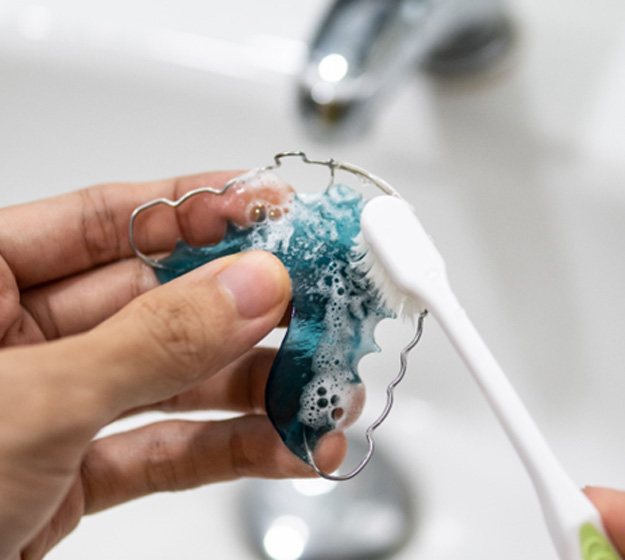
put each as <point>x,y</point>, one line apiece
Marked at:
<point>369,265</point>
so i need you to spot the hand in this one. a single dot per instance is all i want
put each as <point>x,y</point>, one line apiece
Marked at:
<point>611,505</point>
<point>87,336</point>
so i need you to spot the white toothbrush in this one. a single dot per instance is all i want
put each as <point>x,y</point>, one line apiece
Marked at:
<point>403,263</point>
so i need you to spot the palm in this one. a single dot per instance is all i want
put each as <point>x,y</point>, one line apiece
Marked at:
<point>19,326</point>
<point>63,520</point>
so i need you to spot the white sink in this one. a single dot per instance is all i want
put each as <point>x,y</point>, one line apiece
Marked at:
<point>520,179</point>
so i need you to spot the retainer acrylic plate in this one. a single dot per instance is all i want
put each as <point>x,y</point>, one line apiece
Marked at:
<point>314,387</point>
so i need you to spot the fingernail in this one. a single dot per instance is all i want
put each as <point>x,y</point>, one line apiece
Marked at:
<point>256,281</point>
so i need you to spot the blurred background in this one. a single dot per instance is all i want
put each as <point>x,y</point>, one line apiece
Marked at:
<point>503,124</point>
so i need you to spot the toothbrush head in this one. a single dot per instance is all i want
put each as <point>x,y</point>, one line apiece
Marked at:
<point>314,387</point>
<point>398,256</point>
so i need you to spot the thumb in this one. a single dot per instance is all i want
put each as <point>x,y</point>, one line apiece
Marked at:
<point>611,505</point>
<point>185,331</point>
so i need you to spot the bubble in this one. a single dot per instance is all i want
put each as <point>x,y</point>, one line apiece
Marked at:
<point>258,212</point>
<point>322,403</point>
<point>337,414</point>
<point>275,214</point>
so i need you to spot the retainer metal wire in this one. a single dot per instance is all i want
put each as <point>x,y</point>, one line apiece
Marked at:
<point>333,165</point>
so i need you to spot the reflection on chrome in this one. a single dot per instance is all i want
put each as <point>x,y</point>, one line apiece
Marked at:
<point>286,538</point>
<point>333,68</point>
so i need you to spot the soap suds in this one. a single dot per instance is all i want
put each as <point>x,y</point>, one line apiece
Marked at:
<point>314,385</point>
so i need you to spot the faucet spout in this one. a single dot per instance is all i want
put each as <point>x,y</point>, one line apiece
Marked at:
<point>363,48</point>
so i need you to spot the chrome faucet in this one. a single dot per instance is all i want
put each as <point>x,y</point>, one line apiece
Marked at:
<point>363,48</point>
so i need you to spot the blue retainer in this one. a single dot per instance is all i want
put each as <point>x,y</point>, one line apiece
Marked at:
<point>313,387</point>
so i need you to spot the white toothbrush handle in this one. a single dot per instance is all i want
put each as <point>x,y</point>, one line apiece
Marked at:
<point>392,231</point>
<point>574,523</point>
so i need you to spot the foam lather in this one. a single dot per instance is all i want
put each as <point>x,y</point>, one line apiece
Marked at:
<point>314,386</point>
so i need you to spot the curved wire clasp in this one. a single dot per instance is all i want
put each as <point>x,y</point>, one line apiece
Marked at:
<point>390,400</point>
<point>334,166</point>
<point>172,204</point>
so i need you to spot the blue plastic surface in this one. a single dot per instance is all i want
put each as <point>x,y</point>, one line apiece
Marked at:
<point>314,386</point>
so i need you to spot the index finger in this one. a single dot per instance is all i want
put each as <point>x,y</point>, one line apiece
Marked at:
<point>611,505</point>
<point>61,236</point>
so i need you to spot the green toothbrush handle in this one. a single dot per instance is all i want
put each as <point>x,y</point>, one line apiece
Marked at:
<point>594,545</point>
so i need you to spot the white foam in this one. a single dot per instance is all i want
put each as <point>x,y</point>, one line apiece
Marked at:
<point>346,317</point>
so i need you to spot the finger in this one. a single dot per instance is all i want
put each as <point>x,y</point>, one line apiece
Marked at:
<point>85,228</point>
<point>185,331</point>
<point>177,455</point>
<point>239,387</point>
<point>162,344</point>
<point>58,237</point>
<point>10,311</point>
<point>79,303</point>
<point>611,505</point>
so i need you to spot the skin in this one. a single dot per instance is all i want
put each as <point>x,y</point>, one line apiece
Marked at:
<point>87,336</point>
<point>611,504</point>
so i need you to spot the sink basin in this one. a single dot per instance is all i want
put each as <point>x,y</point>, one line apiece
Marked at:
<point>519,176</point>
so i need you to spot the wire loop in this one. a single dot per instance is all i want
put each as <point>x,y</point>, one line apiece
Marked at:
<point>390,399</point>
